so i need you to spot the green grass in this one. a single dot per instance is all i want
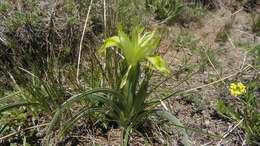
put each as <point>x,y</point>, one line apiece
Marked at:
<point>175,11</point>
<point>253,50</point>
<point>208,58</point>
<point>255,17</point>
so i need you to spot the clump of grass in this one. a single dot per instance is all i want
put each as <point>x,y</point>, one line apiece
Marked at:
<point>196,100</point>
<point>224,33</point>
<point>127,102</point>
<point>255,23</point>
<point>174,11</point>
<point>168,9</point>
<point>253,50</point>
<point>35,39</point>
<point>186,40</point>
<point>191,13</point>
<point>207,58</point>
<point>4,7</point>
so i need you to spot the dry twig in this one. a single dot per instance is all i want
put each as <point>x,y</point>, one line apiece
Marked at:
<point>81,40</point>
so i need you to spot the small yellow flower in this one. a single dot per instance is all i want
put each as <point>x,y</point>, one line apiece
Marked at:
<point>237,89</point>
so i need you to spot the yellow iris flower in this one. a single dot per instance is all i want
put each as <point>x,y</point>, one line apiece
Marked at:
<point>237,89</point>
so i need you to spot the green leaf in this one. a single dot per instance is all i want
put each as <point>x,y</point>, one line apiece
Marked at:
<point>159,64</point>
<point>149,39</point>
<point>177,123</point>
<point>5,98</point>
<point>16,105</point>
<point>75,98</point>
<point>125,134</point>
<point>68,124</point>
<point>2,128</point>
<point>85,94</point>
<point>227,111</point>
<point>53,122</point>
<point>136,48</point>
<point>124,79</point>
<point>110,42</point>
<point>24,142</point>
